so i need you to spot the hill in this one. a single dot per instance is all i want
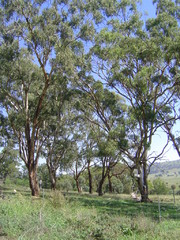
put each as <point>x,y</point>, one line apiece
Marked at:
<point>166,167</point>
<point>168,171</point>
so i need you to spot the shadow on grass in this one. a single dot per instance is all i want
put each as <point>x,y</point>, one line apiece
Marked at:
<point>112,204</point>
<point>4,188</point>
<point>2,234</point>
<point>8,191</point>
<point>128,207</point>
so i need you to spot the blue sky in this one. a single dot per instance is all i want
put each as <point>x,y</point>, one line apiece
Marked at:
<point>148,7</point>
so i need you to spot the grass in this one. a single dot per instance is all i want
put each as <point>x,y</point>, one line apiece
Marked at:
<point>85,217</point>
<point>130,208</point>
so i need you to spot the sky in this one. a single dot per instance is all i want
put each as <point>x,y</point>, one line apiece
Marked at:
<point>148,8</point>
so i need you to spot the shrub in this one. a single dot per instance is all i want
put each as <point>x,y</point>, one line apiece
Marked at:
<point>56,199</point>
<point>64,185</point>
<point>117,186</point>
<point>160,187</point>
<point>150,187</point>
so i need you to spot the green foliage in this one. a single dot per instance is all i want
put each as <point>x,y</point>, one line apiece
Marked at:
<point>107,148</point>
<point>137,62</point>
<point>65,185</point>
<point>9,161</point>
<point>56,199</point>
<point>159,187</point>
<point>117,186</point>
<point>43,174</point>
<point>150,187</point>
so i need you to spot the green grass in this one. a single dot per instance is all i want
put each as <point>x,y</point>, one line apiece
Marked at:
<point>129,208</point>
<point>85,217</point>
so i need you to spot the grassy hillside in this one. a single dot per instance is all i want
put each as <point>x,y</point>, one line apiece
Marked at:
<point>165,167</point>
<point>169,172</point>
<point>82,217</point>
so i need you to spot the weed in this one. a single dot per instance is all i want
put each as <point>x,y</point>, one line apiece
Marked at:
<point>56,199</point>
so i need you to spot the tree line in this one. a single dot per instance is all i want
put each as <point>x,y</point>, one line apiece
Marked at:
<point>88,83</point>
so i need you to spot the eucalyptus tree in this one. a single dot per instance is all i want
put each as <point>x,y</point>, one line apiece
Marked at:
<point>104,110</point>
<point>79,156</point>
<point>108,156</point>
<point>90,146</point>
<point>74,163</point>
<point>174,137</point>
<point>57,128</point>
<point>139,64</point>
<point>5,131</point>
<point>43,175</point>
<point>39,39</point>
<point>8,160</point>
<point>169,12</point>
<point>56,149</point>
<point>119,171</point>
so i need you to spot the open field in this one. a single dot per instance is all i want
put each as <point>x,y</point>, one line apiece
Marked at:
<point>111,217</point>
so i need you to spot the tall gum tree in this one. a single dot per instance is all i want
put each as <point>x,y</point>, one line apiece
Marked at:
<point>80,154</point>
<point>108,158</point>
<point>104,110</point>
<point>38,40</point>
<point>57,127</point>
<point>139,64</point>
<point>169,10</point>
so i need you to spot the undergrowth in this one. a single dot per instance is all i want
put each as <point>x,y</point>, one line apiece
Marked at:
<point>54,217</point>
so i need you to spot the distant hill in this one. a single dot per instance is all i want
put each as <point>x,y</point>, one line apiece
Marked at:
<point>166,167</point>
<point>168,171</point>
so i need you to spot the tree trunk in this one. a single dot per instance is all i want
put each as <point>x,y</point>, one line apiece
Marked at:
<point>90,179</point>
<point>53,180</point>
<point>110,184</point>
<point>143,184</point>
<point>52,175</point>
<point>33,181</point>
<point>100,186</point>
<point>103,177</point>
<point>77,185</point>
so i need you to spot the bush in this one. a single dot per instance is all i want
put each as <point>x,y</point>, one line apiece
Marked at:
<point>159,187</point>
<point>64,185</point>
<point>56,199</point>
<point>22,182</point>
<point>117,186</point>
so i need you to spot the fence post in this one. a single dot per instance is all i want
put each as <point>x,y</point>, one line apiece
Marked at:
<point>159,208</point>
